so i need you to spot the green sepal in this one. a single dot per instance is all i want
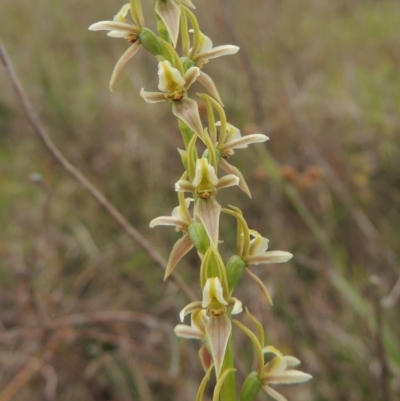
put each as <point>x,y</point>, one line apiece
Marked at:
<point>199,237</point>
<point>251,387</point>
<point>187,63</point>
<point>234,271</point>
<point>150,42</point>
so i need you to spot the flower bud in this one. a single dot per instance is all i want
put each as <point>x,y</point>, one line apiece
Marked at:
<point>150,42</point>
<point>251,387</point>
<point>199,237</point>
<point>234,271</point>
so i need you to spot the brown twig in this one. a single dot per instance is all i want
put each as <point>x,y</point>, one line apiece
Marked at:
<point>21,378</point>
<point>83,181</point>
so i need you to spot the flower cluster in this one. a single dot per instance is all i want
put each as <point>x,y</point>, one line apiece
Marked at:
<point>198,216</point>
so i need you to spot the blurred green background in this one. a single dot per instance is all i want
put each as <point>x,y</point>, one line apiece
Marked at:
<point>85,314</point>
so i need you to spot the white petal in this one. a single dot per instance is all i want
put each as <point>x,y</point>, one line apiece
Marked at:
<point>227,181</point>
<point>274,366</point>
<point>237,307</point>
<point>228,168</point>
<point>269,257</point>
<point>208,83</point>
<point>153,97</point>
<point>274,394</point>
<point>114,26</point>
<point>179,250</point>
<point>243,142</point>
<point>184,186</point>
<point>213,289</point>
<point>132,50</point>
<point>190,76</point>
<point>170,79</point>
<point>216,52</point>
<point>185,331</point>
<point>288,377</point>
<point>204,171</point>
<point>258,245</point>
<point>193,306</point>
<point>292,361</point>
<point>169,221</point>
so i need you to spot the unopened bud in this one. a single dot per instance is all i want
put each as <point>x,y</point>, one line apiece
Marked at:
<point>150,42</point>
<point>234,270</point>
<point>251,387</point>
<point>199,237</point>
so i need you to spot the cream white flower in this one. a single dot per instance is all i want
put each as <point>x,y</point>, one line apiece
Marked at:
<point>173,86</point>
<point>121,27</point>
<point>218,327</point>
<point>276,370</point>
<point>206,51</point>
<point>180,217</point>
<point>231,140</point>
<point>252,249</point>
<point>205,181</point>
<point>181,220</point>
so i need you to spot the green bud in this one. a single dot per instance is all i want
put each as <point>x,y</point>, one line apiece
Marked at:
<point>150,42</point>
<point>251,387</point>
<point>199,237</point>
<point>234,271</point>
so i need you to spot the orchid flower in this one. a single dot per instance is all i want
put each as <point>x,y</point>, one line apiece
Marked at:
<point>218,327</point>
<point>253,251</point>
<point>197,331</point>
<point>205,182</point>
<point>206,51</point>
<point>173,86</point>
<point>276,370</point>
<point>181,219</point>
<point>121,27</point>
<point>230,141</point>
